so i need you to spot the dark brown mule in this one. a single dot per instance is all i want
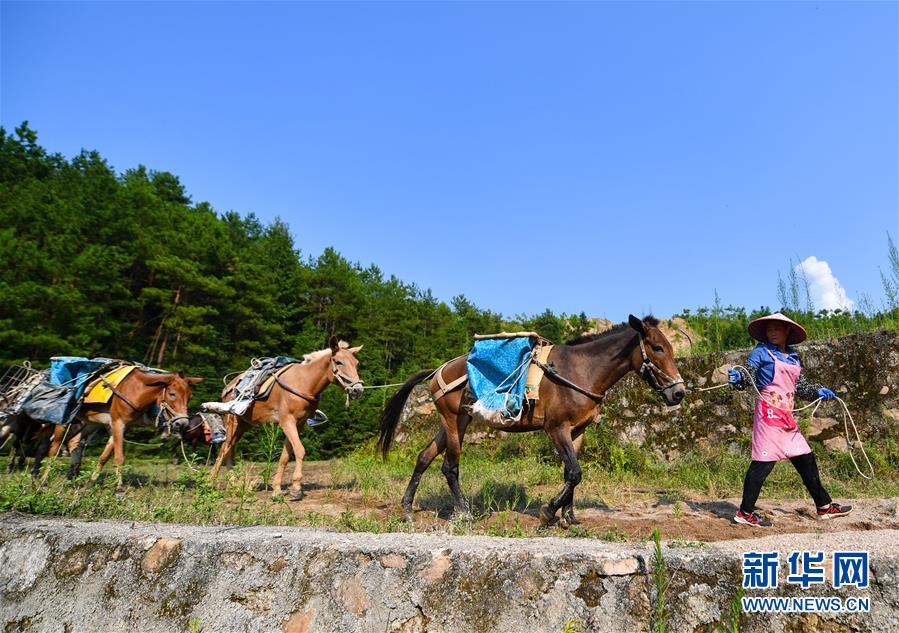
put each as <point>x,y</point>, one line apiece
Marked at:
<point>293,399</point>
<point>190,434</point>
<point>131,399</point>
<point>590,366</point>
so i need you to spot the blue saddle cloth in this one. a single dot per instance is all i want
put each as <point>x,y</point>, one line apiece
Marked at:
<point>497,372</point>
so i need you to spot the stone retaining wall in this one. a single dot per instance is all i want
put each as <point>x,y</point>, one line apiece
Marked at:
<point>72,576</point>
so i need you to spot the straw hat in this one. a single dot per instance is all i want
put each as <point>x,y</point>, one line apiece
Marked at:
<point>757,328</point>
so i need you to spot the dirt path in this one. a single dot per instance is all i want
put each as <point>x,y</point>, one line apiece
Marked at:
<point>690,519</point>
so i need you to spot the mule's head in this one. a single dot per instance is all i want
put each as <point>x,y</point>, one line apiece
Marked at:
<point>7,424</point>
<point>179,425</point>
<point>174,395</point>
<point>345,367</point>
<point>653,359</point>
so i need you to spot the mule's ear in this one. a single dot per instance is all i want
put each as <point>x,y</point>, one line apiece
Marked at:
<point>192,380</point>
<point>334,344</point>
<point>636,323</point>
<point>161,380</point>
<point>355,350</point>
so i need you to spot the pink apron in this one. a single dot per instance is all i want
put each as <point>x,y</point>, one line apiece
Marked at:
<point>775,434</point>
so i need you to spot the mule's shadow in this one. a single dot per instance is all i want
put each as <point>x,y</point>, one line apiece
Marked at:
<point>131,480</point>
<point>351,484</point>
<point>499,497</point>
<point>489,499</point>
<point>591,504</point>
<point>264,486</point>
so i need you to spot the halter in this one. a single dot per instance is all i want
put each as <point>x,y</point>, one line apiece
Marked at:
<point>172,415</point>
<point>655,372</point>
<point>345,381</point>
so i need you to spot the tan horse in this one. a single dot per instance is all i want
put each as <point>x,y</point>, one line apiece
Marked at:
<point>293,399</point>
<point>131,399</point>
<point>570,400</point>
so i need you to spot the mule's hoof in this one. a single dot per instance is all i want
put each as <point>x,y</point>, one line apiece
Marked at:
<point>568,519</point>
<point>547,516</point>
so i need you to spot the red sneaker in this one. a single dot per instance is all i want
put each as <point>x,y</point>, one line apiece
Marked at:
<point>753,519</point>
<point>833,510</point>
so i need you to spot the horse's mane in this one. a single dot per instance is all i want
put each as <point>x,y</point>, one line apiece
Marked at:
<point>313,356</point>
<point>615,329</point>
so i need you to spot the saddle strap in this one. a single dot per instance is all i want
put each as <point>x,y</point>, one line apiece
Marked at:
<point>541,353</point>
<point>444,387</point>
<point>118,393</point>
<point>552,374</point>
<point>290,389</point>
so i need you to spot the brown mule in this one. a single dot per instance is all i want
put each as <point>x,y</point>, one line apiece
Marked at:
<point>569,401</point>
<point>71,434</point>
<point>132,398</point>
<point>293,399</point>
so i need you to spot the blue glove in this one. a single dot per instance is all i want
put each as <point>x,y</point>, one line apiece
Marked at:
<point>826,393</point>
<point>734,377</point>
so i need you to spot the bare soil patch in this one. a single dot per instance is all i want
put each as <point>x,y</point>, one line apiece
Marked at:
<point>690,519</point>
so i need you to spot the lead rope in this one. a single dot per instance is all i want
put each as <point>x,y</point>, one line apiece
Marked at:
<point>143,443</point>
<point>400,384</point>
<point>816,404</point>
<point>187,461</point>
<point>393,384</point>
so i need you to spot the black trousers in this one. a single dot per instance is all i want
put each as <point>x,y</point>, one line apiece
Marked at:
<point>805,465</point>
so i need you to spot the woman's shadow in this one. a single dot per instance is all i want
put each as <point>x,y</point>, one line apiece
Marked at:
<point>720,508</point>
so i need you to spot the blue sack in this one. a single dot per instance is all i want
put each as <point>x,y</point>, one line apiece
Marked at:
<point>497,372</point>
<point>74,371</point>
<point>50,403</point>
<point>57,401</point>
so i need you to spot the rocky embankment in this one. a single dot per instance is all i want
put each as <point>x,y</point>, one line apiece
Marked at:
<point>71,576</point>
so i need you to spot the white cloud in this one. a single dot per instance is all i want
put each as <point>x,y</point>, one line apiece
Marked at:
<point>824,288</point>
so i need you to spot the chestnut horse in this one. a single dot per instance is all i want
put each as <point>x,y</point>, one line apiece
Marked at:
<point>130,400</point>
<point>292,399</point>
<point>571,393</point>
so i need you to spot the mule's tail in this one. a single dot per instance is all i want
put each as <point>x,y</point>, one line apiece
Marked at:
<point>390,418</point>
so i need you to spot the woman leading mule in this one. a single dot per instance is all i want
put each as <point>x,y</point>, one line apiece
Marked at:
<point>775,370</point>
<point>571,394</point>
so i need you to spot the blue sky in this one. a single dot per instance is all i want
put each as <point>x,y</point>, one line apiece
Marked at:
<point>598,157</point>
